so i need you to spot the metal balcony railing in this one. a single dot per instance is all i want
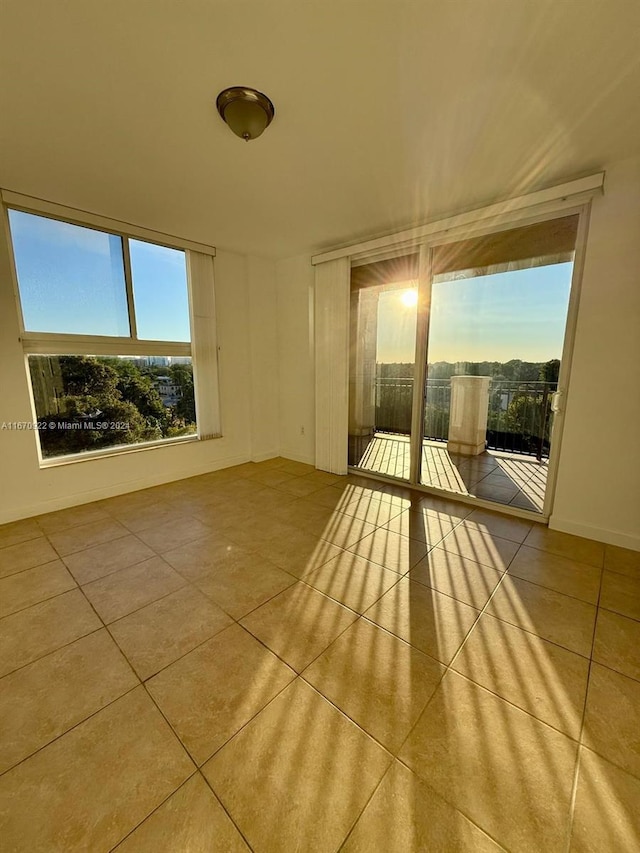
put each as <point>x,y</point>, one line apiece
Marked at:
<point>519,416</point>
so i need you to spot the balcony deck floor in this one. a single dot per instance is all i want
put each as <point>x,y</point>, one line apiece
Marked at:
<point>506,478</point>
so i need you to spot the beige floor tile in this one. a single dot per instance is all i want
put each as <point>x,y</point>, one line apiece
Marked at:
<point>325,477</point>
<point>352,581</point>
<point>190,821</point>
<point>300,744</point>
<point>371,508</point>
<point>406,816</point>
<point>504,526</point>
<point>153,515</point>
<point>480,547</point>
<point>549,614</point>
<point>420,526</point>
<point>272,477</point>
<point>33,585</point>
<point>565,545</point>
<point>622,560</point>
<point>244,584</point>
<point>265,501</point>
<point>197,559</point>
<point>331,498</point>
<point>391,550</point>
<point>379,681</point>
<point>101,560</point>
<point>621,594</point>
<point>612,720</point>
<point>505,770</point>
<point>54,522</point>
<point>451,574</point>
<point>299,553</point>
<point>302,468</point>
<point>434,623</point>
<point>300,486</point>
<point>541,678</point>
<point>160,633</point>
<point>210,693</point>
<point>43,628</point>
<point>617,643</point>
<point>26,555</point>
<point>85,535</point>
<point>607,817</point>
<point>448,510</point>
<point>173,533</point>
<point>122,592</point>
<point>46,698</point>
<point>135,500</point>
<point>88,789</point>
<point>254,533</point>
<point>16,532</point>
<point>499,491</point>
<point>303,514</point>
<point>559,573</point>
<point>298,624</point>
<point>340,529</point>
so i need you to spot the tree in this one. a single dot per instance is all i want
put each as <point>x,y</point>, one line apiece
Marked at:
<point>550,371</point>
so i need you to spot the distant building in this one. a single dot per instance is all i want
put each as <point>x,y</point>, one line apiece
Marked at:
<point>170,393</point>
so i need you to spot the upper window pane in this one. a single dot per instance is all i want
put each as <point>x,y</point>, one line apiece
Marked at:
<point>160,292</point>
<point>71,278</point>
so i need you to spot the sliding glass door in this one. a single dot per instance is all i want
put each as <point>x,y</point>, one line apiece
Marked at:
<point>382,350</point>
<point>490,335</point>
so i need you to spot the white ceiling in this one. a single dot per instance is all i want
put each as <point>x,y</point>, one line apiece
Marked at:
<point>387,113</point>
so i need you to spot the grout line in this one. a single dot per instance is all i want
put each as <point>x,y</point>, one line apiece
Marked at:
<point>70,729</point>
<point>576,771</point>
<point>224,808</point>
<point>153,811</point>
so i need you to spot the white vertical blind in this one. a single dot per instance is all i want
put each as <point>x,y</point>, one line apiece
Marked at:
<point>204,346</point>
<point>332,284</point>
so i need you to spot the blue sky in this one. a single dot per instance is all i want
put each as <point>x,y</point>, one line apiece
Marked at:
<point>71,281</point>
<point>518,314</point>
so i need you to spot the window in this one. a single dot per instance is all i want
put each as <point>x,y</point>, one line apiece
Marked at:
<point>107,334</point>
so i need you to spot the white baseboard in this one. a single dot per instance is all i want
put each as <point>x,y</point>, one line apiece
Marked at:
<point>122,488</point>
<point>600,534</point>
<point>262,457</point>
<point>297,457</point>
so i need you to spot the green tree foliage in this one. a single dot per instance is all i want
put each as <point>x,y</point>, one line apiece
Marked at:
<point>90,403</point>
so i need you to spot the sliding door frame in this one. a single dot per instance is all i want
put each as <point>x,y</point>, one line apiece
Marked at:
<point>426,246</point>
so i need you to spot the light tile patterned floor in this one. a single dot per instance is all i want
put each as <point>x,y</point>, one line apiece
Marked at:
<point>276,659</point>
<point>506,478</point>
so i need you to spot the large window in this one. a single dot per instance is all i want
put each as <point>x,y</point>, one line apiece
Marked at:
<point>107,333</point>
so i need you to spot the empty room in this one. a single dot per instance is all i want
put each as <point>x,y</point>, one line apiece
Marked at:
<point>313,534</point>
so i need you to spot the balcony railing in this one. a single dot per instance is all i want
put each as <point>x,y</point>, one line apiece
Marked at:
<point>519,415</point>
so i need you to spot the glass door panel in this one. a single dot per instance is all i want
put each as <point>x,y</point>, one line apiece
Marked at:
<point>497,320</point>
<point>384,300</point>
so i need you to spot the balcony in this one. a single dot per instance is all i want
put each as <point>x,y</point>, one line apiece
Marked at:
<point>511,470</point>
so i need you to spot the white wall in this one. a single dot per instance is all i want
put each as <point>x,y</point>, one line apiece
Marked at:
<point>295,358</point>
<point>598,487</point>
<point>246,345</point>
<point>263,348</point>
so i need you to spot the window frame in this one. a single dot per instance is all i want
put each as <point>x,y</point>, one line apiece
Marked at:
<point>202,349</point>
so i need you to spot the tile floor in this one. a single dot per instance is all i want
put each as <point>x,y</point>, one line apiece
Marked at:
<point>272,658</point>
<point>506,478</point>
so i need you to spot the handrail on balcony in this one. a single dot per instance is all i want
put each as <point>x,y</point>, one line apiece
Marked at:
<point>519,416</point>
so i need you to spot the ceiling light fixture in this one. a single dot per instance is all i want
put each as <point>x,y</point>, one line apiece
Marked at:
<point>246,111</point>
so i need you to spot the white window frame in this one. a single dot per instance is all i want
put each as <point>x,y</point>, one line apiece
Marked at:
<point>202,349</point>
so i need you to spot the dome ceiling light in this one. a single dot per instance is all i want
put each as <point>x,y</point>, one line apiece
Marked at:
<point>246,111</point>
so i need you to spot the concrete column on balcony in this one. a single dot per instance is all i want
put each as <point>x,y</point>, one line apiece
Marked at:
<point>363,339</point>
<point>468,414</point>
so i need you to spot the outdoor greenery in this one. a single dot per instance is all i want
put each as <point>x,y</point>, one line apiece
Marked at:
<point>88,402</point>
<point>519,403</point>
